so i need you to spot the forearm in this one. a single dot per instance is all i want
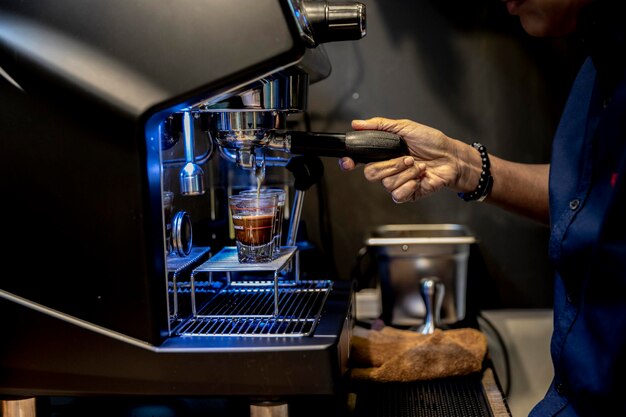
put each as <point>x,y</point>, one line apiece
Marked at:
<point>519,188</point>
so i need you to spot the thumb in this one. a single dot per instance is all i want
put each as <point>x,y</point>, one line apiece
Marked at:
<point>378,123</point>
<point>346,164</point>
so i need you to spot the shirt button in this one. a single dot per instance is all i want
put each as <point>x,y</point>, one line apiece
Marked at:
<point>560,388</point>
<point>569,297</point>
<point>574,204</point>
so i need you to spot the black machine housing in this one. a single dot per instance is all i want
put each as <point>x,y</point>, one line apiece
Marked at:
<point>86,88</point>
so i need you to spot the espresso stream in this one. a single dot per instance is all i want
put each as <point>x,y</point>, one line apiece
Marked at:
<point>259,173</point>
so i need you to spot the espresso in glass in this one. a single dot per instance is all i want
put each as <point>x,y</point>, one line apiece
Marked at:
<point>280,211</point>
<point>253,230</point>
<point>253,220</point>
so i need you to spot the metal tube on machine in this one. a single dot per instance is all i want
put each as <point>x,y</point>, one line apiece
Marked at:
<point>296,211</point>
<point>191,176</point>
<point>19,408</point>
<point>306,170</point>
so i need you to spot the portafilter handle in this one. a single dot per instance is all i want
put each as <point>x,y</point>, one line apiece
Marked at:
<point>360,145</point>
<point>432,291</point>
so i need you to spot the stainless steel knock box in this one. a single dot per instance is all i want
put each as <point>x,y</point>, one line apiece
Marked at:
<point>405,253</point>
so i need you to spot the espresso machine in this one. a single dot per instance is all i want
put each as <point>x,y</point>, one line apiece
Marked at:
<point>117,120</point>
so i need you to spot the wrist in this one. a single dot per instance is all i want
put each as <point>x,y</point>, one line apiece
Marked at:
<point>485,180</point>
<point>469,168</point>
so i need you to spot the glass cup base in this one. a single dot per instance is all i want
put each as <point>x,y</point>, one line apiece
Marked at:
<point>255,254</point>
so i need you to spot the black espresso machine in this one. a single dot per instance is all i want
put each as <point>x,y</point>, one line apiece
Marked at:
<point>109,111</point>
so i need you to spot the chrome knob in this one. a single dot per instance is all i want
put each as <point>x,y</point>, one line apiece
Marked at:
<point>333,22</point>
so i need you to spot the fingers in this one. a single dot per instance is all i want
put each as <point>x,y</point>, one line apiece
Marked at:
<point>376,171</point>
<point>393,182</point>
<point>406,192</point>
<point>346,164</point>
<point>401,177</point>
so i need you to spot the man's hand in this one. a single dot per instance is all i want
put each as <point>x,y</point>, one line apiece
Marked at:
<point>432,164</point>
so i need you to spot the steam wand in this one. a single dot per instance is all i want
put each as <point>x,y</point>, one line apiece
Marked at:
<point>191,176</point>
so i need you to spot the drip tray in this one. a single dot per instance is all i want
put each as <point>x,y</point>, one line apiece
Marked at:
<point>468,396</point>
<point>260,308</point>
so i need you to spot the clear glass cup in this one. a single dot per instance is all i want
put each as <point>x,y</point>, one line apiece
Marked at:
<point>280,212</point>
<point>253,220</point>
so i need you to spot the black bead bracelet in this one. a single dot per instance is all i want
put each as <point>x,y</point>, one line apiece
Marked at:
<point>485,182</point>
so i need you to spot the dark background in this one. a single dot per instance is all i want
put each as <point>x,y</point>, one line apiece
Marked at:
<point>466,68</point>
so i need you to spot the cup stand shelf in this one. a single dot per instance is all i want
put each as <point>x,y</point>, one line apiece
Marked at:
<point>226,261</point>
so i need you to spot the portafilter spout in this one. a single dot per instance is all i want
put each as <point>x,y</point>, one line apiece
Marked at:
<point>191,176</point>
<point>243,136</point>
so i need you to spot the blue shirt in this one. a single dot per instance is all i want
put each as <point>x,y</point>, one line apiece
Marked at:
<point>588,250</point>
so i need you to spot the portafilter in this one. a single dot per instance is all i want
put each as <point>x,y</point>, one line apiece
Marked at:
<point>253,138</point>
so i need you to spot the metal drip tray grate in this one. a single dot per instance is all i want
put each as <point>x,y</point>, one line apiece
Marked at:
<point>248,309</point>
<point>450,397</point>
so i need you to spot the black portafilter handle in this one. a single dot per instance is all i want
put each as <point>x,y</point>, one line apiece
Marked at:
<point>360,145</point>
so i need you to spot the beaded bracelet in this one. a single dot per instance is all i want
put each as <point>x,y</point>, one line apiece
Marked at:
<point>485,182</point>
